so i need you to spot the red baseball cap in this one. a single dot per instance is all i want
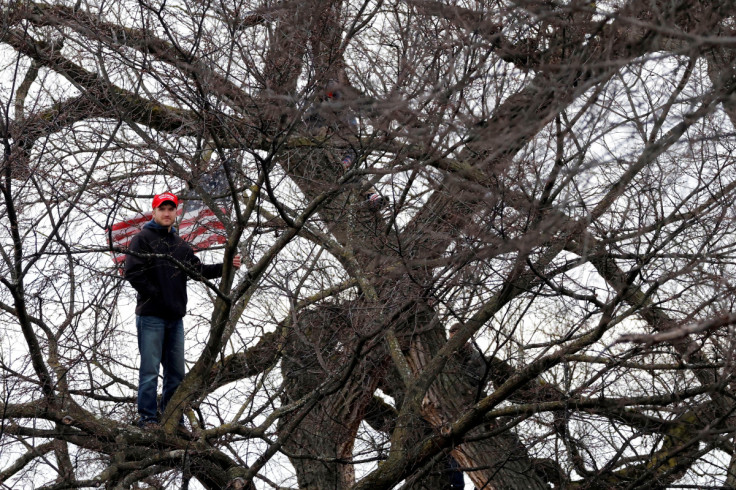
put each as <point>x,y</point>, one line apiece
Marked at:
<point>165,197</point>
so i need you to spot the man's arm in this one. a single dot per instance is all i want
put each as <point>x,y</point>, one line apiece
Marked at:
<point>211,271</point>
<point>136,268</point>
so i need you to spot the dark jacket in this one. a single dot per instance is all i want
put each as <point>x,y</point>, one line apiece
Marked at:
<point>160,282</point>
<point>333,116</point>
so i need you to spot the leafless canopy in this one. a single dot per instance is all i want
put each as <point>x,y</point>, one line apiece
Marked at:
<point>559,178</point>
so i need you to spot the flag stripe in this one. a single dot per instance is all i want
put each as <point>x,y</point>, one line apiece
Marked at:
<point>132,222</point>
<point>202,230</point>
<point>207,242</point>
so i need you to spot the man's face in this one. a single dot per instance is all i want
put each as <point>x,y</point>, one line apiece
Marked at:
<point>165,214</point>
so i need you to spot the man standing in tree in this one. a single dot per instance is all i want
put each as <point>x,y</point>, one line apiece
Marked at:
<point>158,266</point>
<point>330,115</point>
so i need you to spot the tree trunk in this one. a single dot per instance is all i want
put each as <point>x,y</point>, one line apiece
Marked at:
<point>320,448</point>
<point>498,462</point>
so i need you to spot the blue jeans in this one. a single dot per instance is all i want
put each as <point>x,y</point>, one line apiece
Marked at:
<point>160,342</point>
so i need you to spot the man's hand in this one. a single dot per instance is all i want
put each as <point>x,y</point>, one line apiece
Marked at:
<point>236,261</point>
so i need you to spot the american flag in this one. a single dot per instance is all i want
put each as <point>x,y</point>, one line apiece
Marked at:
<point>198,224</point>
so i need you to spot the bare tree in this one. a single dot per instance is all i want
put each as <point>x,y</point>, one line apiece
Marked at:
<point>558,178</point>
